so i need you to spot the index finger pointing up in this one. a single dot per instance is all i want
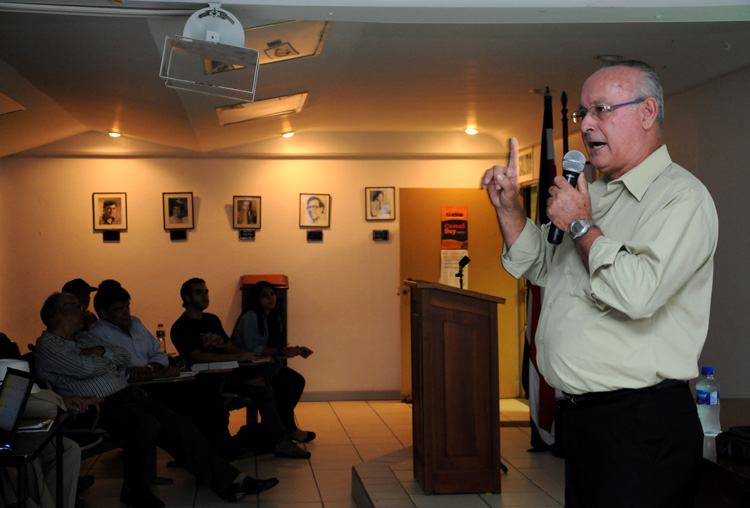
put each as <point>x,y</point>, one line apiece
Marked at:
<point>513,159</point>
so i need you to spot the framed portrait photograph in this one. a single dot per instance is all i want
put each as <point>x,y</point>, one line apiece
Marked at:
<point>380,203</point>
<point>178,210</point>
<point>528,172</point>
<point>314,210</point>
<point>246,212</point>
<point>110,211</point>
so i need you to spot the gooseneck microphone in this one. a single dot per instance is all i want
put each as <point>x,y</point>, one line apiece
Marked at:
<point>573,163</point>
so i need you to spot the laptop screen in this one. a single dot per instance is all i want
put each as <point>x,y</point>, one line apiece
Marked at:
<point>14,393</point>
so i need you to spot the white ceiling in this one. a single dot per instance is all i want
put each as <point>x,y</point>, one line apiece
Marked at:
<point>414,67</point>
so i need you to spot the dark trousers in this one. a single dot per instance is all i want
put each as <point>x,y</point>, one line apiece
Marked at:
<point>254,382</point>
<point>640,448</point>
<point>144,424</point>
<point>288,386</point>
<point>198,400</point>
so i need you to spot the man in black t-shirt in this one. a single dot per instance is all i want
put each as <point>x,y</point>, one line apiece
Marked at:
<point>200,338</point>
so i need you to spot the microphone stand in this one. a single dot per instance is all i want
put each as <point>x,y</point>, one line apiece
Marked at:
<point>460,276</point>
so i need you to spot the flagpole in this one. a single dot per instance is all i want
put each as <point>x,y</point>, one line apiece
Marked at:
<point>564,100</point>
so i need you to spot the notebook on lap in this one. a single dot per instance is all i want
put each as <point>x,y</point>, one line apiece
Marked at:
<point>14,393</point>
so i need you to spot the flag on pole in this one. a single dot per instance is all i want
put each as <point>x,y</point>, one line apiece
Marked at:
<point>541,395</point>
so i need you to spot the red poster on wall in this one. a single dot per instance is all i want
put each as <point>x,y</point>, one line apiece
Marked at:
<point>455,227</point>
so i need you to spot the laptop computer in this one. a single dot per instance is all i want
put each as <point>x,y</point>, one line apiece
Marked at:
<point>14,394</point>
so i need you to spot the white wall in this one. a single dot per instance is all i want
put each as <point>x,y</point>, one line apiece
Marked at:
<point>706,130</point>
<point>343,300</point>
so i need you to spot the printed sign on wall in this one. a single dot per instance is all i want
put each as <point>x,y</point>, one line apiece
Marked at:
<point>455,227</point>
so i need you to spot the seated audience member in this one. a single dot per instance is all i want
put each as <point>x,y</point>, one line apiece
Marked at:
<point>8,348</point>
<point>118,327</point>
<point>200,338</point>
<point>260,332</point>
<point>82,291</point>
<point>92,368</point>
<point>148,361</point>
<point>41,473</point>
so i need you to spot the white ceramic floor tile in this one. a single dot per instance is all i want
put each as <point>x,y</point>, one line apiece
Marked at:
<point>377,433</point>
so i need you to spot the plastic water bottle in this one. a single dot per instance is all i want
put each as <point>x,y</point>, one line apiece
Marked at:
<point>707,396</point>
<point>161,336</point>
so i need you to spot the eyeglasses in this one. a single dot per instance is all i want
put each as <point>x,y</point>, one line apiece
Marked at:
<point>599,112</point>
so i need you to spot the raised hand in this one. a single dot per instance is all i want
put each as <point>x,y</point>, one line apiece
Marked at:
<point>501,182</point>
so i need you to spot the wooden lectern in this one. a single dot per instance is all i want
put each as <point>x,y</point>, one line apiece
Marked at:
<point>456,412</point>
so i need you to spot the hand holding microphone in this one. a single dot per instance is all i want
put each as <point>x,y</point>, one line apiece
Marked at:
<point>573,164</point>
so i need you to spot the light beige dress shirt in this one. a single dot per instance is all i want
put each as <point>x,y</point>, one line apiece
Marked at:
<point>641,315</point>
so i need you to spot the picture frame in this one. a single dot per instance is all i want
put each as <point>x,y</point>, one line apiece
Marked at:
<point>528,172</point>
<point>178,210</point>
<point>246,212</point>
<point>314,210</point>
<point>110,211</point>
<point>380,203</point>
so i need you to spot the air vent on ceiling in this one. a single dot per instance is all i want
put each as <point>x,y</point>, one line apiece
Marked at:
<point>238,113</point>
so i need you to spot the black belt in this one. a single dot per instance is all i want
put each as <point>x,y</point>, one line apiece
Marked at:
<point>588,399</point>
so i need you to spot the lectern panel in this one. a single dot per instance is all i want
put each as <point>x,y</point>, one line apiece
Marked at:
<point>455,387</point>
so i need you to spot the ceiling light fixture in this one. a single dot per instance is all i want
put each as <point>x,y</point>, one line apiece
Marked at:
<point>114,134</point>
<point>210,57</point>
<point>287,135</point>
<point>471,131</point>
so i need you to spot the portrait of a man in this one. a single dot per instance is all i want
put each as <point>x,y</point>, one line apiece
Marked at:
<point>246,211</point>
<point>315,210</point>
<point>109,211</point>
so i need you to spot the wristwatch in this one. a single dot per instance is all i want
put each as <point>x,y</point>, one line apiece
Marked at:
<point>580,227</point>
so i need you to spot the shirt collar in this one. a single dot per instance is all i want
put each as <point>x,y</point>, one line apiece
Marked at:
<point>638,179</point>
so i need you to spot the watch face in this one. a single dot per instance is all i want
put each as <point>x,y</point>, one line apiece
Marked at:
<point>579,228</point>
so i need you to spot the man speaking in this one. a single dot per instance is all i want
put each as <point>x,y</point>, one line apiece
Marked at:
<point>627,297</point>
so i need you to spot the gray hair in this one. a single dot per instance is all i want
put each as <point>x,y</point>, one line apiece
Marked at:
<point>51,307</point>
<point>649,86</point>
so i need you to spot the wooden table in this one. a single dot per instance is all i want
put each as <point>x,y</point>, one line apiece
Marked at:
<point>26,449</point>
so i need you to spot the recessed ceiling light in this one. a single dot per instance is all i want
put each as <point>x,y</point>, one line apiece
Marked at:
<point>114,134</point>
<point>471,131</point>
<point>287,135</point>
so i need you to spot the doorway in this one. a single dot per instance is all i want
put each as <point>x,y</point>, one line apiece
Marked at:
<point>420,227</point>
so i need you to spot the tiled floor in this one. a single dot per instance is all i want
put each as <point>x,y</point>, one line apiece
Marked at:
<point>351,433</point>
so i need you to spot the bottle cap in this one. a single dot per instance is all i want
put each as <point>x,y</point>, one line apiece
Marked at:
<point>707,370</point>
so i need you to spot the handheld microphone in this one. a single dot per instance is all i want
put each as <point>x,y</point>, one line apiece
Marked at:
<point>573,163</point>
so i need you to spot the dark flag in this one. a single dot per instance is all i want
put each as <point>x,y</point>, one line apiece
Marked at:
<point>541,395</point>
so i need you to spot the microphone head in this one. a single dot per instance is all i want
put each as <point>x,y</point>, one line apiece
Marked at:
<point>574,161</point>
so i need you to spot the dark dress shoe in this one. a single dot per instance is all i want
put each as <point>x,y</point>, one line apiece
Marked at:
<point>139,499</point>
<point>249,486</point>
<point>310,436</point>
